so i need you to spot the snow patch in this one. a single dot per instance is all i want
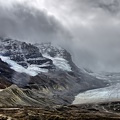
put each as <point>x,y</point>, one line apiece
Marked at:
<point>32,70</point>
<point>59,62</point>
<point>1,90</point>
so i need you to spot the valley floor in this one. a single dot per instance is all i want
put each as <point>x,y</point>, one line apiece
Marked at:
<point>56,113</point>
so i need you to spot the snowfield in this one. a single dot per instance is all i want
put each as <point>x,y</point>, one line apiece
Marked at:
<point>32,70</point>
<point>59,62</point>
<point>108,94</point>
<point>16,53</point>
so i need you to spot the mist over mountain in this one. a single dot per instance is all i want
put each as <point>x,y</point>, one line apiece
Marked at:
<point>88,29</point>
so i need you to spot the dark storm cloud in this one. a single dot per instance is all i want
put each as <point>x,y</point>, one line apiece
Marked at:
<point>89,29</point>
<point>95,26</point>
<point>27,23</point>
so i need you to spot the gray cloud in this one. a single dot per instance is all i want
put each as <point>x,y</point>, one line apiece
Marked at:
<point>27,23</point>
<point>94,25</point>
<point>89,29</point>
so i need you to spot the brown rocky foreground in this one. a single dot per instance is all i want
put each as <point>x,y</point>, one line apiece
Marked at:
<point>57,113</point>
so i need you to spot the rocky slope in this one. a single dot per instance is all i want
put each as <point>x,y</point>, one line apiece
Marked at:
<point>24,54</point>
<point>44,75</point>
<point>5,75</point>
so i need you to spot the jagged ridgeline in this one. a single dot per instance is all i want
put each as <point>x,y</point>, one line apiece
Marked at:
<point>40,75</point>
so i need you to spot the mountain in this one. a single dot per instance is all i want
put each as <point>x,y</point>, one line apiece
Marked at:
<point>61,58</point>
<point>26,55</point>
<point>40,75</point>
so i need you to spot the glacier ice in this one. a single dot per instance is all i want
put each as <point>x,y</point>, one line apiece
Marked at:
<point>107,94</point>
<point>31,70</point>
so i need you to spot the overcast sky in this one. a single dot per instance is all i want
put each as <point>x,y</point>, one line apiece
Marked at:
<point>89,29</point>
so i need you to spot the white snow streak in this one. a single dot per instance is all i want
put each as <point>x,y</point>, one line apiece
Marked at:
<point>59,62</point>
<point>32,70</point>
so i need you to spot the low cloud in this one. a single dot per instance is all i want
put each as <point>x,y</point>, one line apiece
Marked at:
<point>30,24</point>
<point>89,29</point>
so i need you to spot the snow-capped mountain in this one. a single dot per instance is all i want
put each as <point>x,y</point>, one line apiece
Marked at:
<point>28,58</point>
<point>42,72</point>
<point>53,51</point>
<point>58,55</point>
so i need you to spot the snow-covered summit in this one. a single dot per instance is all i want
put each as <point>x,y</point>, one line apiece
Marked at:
<point>60,57</point>
<point>53,51</point>
<point>37,58</point>
<point>23,53</point>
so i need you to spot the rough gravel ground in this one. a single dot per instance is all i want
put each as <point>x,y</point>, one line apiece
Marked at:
<point>56,113</point>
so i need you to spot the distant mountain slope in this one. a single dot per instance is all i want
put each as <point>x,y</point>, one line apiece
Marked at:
<point>44,75</point>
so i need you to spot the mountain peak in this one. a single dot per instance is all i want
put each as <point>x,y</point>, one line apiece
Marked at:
<point>38,57</point>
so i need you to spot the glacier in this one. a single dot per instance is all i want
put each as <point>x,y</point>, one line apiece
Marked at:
<point>34,70</point>
<point>31,70</point>
<point>107,94</point>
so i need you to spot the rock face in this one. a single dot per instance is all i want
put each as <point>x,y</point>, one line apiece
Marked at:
<point>5,70</point>
<point>56,86</point>
<point>5,75</point>
<point>23,53</point>
<point>8,76</point>
<point>55,52</point>
<point>47,48</point>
